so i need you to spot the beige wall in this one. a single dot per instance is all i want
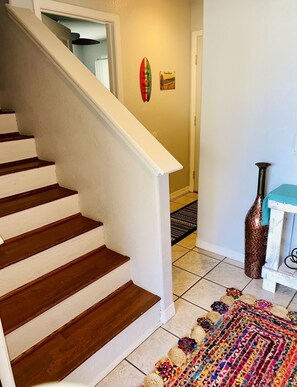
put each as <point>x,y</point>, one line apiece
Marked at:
<point>159,30</point>
<point>197,15</point>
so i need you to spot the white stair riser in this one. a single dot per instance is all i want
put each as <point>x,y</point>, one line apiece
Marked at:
<point>27,220</point>
<point>8,123</point>
<point>18,182</point>
<point>90,373</point>
<point>17,150</point>
<point>35,330</point>
<point>14,276</point>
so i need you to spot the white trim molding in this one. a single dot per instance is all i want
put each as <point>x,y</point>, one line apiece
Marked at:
<point>220,250</point>
<point>168,313</point>
<point>180,192</point>
<point>6,374</point>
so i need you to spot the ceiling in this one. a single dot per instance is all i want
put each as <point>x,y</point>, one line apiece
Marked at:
<point>85,28</point>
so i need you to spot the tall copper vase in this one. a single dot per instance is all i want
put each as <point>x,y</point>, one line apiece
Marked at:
<point>255,233</point>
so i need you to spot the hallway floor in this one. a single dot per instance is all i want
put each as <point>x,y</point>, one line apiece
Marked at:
<point>199,278</point>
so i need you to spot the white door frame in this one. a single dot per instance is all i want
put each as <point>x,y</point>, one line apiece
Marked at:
<point>193,118</point>
<point>111,20</point>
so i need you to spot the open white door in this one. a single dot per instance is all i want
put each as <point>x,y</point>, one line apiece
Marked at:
<point>196,76</point>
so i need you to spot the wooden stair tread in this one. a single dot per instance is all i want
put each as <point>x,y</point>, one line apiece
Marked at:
<point>33,242</point>
<point>6,111</point>
<point>23,165</point>
<point>63,351</point>
<point>26,200</point>
<point>32,299</point>
<point>14,136</point>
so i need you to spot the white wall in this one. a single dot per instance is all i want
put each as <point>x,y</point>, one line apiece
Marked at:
<point>92,52</point>
<point>248,112</point>
<point>78,52</point>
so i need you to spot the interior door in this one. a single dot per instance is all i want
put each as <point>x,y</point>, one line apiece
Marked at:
<point>197,110</point>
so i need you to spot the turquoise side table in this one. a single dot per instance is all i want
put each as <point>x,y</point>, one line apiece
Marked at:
<point>276,204</point>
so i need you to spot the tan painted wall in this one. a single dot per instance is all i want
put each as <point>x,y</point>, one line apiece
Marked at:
<point>159,30</point>
<point>197,15</point>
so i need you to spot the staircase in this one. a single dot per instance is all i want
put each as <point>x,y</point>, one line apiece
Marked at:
<point>67,303</point>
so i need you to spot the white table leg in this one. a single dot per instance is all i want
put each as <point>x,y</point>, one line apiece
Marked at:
<point>273,246</point>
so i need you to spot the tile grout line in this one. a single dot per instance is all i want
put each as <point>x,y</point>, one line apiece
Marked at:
<point>192,303</point>
<point>128,361</point>
<point>202,276</point>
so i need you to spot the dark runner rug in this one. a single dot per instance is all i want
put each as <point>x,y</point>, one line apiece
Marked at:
<point>183,222</point>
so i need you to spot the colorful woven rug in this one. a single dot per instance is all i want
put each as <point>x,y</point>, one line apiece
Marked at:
<point>183,222</point>
<point>243,342</point>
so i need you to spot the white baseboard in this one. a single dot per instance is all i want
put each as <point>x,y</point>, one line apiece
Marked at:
<point>220,250</point>
<point>180,192</point>
<point>168,313</point>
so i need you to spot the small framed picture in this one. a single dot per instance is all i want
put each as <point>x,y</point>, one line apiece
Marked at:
<point>167,80</point>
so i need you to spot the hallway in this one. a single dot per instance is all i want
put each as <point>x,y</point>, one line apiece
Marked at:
<point>199,278</point>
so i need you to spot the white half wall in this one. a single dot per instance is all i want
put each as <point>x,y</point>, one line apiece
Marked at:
<point>248,111</point>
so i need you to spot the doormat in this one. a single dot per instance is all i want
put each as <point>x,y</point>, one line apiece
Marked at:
<point>241,342</point>
<point>183,222</point>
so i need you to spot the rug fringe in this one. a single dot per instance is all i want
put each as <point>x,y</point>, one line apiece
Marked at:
<point>187,347</point>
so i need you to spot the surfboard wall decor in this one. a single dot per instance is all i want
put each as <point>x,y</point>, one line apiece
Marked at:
<point>145,78</point>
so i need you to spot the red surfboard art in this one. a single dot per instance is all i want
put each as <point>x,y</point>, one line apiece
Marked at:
<point>145,78</point>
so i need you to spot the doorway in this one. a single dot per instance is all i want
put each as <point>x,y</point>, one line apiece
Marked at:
<point>111,24</point>
<point>195,109</point>
<point>86,40</point>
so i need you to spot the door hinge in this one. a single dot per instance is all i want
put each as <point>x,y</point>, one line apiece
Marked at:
<point>195,119</point>
<point>194,174</point>
<point>196,59</point>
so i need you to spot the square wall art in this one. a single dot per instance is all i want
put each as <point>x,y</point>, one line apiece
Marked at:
<point>167,80</point>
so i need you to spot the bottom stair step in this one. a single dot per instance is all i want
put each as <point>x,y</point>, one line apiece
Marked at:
<point>63,351</point>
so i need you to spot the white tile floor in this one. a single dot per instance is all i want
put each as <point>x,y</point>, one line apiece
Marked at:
<point>199,278</point>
